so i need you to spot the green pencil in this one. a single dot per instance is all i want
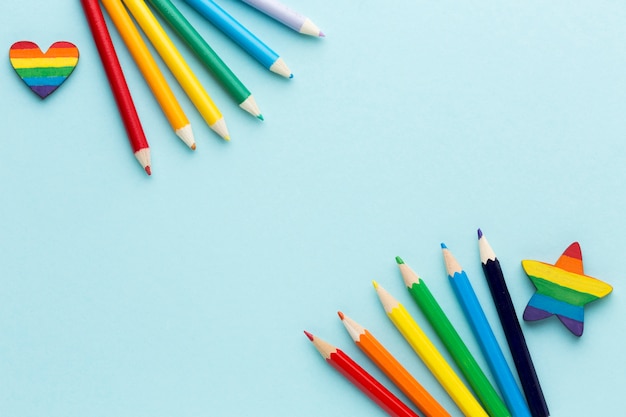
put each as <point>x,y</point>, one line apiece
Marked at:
<point>209,58</point>
<point>451,339</point>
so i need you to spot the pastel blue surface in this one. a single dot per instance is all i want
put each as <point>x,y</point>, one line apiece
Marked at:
<point>186,293</point>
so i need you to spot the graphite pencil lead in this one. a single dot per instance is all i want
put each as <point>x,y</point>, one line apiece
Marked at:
<point>485,250</point>
<point>220,128</point>
<point>185,133</point>
<point>250,105</point>
<point>408,275</point>
<point>280,67</point>
<point>452,265</point>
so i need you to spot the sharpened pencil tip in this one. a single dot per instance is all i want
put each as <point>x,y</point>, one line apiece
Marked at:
<point>375,284</point>
<point>399,260</point>
<point>322,34</point>
<point>148,170</point>
<point>290,75</point>
<point>443,246</point>
<point>193,147</point>
<point>340,314</point>
<point>309,335</point>
<point>480,233</point>
<point>260,117</point>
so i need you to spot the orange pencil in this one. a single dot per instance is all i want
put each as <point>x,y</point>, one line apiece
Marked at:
<point>393,369</point>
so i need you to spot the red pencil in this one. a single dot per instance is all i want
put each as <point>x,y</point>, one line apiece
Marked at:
<point>363,380</point>
<point>136,136</point>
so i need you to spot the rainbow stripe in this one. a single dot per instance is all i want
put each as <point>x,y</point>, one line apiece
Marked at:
<point>563,289</point>
<point>43,72</point>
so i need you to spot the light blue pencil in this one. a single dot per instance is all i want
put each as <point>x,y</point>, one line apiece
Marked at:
<point>486,339</point>
<point>241,36</point>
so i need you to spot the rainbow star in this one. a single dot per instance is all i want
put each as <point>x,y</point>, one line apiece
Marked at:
<point>563,289</point>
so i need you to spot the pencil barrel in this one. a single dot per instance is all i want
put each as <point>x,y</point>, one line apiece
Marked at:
<point>515,339</point>
<point>236,31</point>
<point>458,350</point>
<point>202,50</point>
<point>115,75</point>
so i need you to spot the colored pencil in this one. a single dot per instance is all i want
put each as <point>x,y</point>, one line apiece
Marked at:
<point>113,70</point>
<point>393,369</point>
<point>209,58</point>
<point>241,36</point>
<point>361,378</point>
<point>512,329</point>
<point>486,339</point>
<point>288,17</point>
<point>175,62</point>
<point>429,354</point>
<point>150,71</point>
<point>453,342</point>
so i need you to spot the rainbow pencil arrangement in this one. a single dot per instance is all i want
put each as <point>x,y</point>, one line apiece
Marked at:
<point>470,389</point>
<point>120,12</point>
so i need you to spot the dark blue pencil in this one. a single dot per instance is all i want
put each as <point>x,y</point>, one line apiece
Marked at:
<point>512,329</point>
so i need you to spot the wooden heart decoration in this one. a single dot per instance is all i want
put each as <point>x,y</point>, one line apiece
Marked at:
<point>43,72</point>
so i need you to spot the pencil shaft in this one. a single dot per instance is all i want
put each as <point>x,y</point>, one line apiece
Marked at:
<point>435,362</point>
<point>354,373</point>
<point>236,31</point>
<point>458,350</point>
<point>146,64</point>
<point>201,48</point>
<point>175,62</point>
<point>400,376</point>
<point>285,15</point>
<point>115,75</point>
<point>487,340</point>
<point>369,385</point>
<point>515,338</point>
<point>429,354</point>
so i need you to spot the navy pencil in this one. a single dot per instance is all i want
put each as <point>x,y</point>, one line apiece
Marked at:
<point>512,329</point>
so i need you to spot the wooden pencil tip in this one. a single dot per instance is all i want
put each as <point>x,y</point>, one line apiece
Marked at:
<point>340,314</point>
<point>399,260</point>
<point>148,170</point>
<point>480,233</point>
<point>309,335</point>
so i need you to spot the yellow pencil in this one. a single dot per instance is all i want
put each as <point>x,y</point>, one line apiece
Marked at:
<point>429,354</point>
<point>150,71</point>
<point>175,62</point>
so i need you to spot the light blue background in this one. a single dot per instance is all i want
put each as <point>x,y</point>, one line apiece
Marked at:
<point>412,123</point>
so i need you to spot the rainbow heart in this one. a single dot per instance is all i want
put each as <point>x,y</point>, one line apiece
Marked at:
<point>43,72</point>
